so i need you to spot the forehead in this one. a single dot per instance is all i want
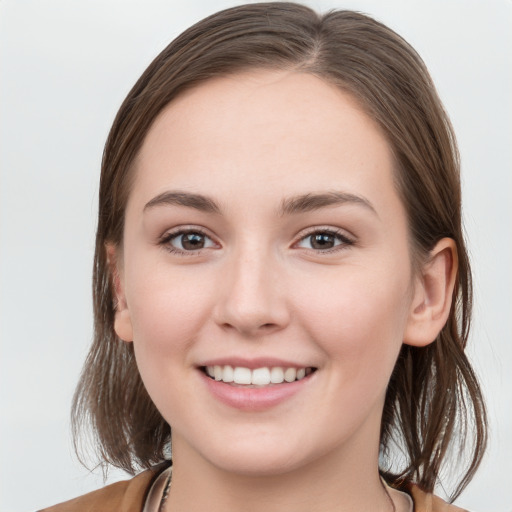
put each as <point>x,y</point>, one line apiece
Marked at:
<point>292,130</point>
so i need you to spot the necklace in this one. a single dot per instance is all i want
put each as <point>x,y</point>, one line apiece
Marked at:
<point>165,494</point>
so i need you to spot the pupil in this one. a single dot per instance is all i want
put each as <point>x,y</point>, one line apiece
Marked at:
<point>322,241</point>
<point>192,241</point>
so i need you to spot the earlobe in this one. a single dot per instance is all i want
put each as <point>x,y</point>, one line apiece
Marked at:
<point>433,292</point>
<point>122,319</point>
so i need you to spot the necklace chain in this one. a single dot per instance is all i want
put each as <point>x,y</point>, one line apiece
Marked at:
<point>165,494</point>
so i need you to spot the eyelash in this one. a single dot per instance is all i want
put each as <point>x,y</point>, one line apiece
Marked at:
<point>341,237</point>
<point>168,237</point>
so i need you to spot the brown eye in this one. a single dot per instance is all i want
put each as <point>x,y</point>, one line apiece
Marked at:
<point>190,241</point>
<point>322,241</point>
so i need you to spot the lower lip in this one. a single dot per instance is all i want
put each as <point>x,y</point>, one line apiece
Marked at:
<point>254,399</point>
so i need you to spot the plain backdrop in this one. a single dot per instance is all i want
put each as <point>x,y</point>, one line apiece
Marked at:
<point>66,65</point>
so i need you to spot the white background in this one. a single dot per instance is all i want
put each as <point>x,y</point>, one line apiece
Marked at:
<point>66,65</point>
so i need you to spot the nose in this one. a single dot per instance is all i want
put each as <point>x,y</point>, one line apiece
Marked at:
<point>253,295</point>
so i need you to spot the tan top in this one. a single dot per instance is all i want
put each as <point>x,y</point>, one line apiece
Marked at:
<point>143,493</point>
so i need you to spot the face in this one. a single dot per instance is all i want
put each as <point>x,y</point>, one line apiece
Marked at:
<point>265,242</point>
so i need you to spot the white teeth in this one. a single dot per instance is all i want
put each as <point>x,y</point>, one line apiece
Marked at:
<point>290,374</point>
<point>277,375</point>
<point>242,375</point>
<point>228,374</point>
<point>257,377</point>
<point>261,377</point>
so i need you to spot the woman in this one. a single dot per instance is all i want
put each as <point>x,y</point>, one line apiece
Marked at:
<point>280,275</point>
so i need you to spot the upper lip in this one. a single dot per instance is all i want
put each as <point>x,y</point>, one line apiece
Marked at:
<point>253,363</point>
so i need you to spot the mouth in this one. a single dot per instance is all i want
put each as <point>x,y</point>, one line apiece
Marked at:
<point>240,376</point>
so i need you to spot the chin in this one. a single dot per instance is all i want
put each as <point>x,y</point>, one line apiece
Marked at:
<point>259,465</point>
<point>261,458</point>
<point>251,456</point>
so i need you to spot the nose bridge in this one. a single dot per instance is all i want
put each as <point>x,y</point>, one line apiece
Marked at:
<point>253,298</point>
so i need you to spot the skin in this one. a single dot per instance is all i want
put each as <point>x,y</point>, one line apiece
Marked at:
<point>259,288</point>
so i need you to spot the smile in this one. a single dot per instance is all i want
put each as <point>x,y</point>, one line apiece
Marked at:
<point>265,376</point>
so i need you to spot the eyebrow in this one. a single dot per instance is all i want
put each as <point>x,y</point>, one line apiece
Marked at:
<point>293,205</point>
<point>190,200</point>
<point>311,202</point>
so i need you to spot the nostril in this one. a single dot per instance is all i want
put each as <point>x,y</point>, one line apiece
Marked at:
<point>251,328</point>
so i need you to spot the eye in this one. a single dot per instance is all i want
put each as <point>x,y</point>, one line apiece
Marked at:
<point>324,240</point>
<point>190,240</point>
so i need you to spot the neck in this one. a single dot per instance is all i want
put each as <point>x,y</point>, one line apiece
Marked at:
<point>332,483</point>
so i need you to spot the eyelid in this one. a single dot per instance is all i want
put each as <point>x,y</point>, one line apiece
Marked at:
<point>347,239</point>
<point>165,239</point>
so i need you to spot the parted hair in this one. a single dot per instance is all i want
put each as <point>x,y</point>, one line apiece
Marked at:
<point>434,407</point>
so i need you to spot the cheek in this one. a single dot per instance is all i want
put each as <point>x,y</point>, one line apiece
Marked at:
<point>358,318</point>
<point>167,311</point>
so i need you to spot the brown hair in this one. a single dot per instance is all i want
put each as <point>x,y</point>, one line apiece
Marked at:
<point>433,401</point>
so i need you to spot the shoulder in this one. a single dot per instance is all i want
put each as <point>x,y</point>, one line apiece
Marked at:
<point>426,502</point>
<point>125,496</point>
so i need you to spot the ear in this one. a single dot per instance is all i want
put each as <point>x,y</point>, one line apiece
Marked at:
<point>122,319</point>
<point>432,297</point>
